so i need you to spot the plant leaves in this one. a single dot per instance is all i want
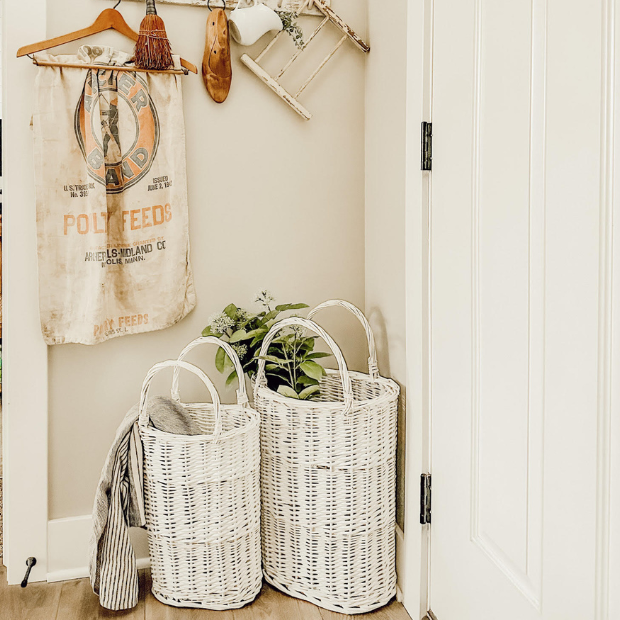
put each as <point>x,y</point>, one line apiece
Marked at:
<point>220,359</point>
<point>275,360</point>
<point>269,358</point>
<point>231,311</point>
<point>317,355</point>
<point>240,334</point>
<point>303,380</point>
<point>231,377</point>
<point>285,390</point>
<point>207,331</point>
<point>285,307</point>
<point>312,369</point>
<point>256,332</point>
<point>309,391</point>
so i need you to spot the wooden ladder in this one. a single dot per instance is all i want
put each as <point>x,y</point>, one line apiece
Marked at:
<point>273,82</point>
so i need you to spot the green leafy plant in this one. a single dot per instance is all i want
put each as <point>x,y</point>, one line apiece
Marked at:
<point>290,26</point>
<point>291,361</point>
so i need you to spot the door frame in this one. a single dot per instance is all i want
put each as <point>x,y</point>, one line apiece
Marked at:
<point>414,549</point>
<point>24,397</point>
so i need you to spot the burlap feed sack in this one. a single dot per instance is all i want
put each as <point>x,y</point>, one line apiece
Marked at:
<point>111,189</point>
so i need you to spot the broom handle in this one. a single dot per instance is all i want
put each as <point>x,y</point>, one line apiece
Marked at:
<point>150,7</point>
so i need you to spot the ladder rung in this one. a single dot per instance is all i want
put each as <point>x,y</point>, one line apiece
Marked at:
<point>338,45</point>
<point>269,45</point>
<point>276,87</point>
<point>305,45</point>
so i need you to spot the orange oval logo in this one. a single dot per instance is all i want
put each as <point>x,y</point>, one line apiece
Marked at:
<point>117,128</point>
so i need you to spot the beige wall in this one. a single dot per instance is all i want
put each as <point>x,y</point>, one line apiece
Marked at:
<point>385,199</point>
<point>275,202</point>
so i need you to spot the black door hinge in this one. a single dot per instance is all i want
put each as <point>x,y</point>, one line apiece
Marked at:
<point>425,499</point>
<point>427,146</point>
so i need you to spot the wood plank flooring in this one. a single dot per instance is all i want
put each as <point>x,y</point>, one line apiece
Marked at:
<point>74,600</point>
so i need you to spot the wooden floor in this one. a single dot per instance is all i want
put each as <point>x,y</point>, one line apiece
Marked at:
<point>74,600</point>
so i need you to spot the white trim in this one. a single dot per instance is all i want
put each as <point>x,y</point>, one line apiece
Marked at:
<point>413,551</point>
<point>606,275</point>
<point>82,572</point>
<point>613,566</point>
<point>24,414</point>
<point>69,541</point>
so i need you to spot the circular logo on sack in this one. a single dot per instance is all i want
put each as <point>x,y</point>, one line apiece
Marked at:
<point>117,128</point>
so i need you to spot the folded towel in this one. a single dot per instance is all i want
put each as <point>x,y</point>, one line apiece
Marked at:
<point>119,503</point>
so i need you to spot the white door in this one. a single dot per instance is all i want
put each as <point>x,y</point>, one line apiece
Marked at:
<point>520,254</point>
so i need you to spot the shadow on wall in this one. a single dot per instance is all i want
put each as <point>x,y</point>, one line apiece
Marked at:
<point>379,328</point>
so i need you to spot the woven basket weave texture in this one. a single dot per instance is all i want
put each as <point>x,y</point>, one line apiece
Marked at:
<point>328,472</point>
<point>202,499</point>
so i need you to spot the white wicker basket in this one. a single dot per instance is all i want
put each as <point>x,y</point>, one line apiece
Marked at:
<point>202,500</point>
<point>328,485</point>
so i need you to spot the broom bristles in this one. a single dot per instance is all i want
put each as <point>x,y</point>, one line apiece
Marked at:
<point>153,47</point>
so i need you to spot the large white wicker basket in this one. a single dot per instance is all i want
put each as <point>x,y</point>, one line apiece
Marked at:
<point>202,500</point>
<point>328,485</point>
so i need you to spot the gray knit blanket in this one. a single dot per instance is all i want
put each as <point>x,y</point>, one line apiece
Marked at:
<point>119,504</point>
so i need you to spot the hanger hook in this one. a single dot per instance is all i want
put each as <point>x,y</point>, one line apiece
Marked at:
<point>119,1</point>
<point>209,4</point>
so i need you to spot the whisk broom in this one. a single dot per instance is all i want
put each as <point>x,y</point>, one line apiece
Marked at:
<point>153,47</point>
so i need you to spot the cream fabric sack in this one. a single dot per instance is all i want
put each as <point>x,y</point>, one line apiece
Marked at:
<point>111,188</point>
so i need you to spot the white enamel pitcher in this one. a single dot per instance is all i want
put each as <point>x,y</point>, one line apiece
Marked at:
<point>249,24</point>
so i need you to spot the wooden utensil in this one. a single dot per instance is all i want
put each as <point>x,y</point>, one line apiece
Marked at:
<point>108,19</point>
<point>216,65</point>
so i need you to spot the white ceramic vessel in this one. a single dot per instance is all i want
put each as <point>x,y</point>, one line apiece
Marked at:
<point>248,25</point>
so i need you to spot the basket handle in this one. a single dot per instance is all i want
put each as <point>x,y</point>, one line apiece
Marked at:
<point>317,329</point>
<point>373,367</point>
<point>143,419</point>
<point>242,395</point>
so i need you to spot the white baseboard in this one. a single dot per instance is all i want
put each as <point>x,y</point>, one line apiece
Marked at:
<point>68,548</point>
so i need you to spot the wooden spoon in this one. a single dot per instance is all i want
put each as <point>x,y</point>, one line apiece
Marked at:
<point>216,65</point>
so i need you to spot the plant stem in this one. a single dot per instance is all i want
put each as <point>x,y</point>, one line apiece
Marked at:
<point>288,366</point>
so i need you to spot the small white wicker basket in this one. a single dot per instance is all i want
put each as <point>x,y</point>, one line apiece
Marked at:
<point>202,499</point>
<point>328,483</point>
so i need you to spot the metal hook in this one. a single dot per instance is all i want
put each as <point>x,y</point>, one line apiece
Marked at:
<point>119,1</point>
<point>209,4</point>
<point>30,562</point>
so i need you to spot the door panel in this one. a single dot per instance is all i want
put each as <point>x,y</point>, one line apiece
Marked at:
<point>515,244</point>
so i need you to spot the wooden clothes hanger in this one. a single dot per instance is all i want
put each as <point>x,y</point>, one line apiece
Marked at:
<point>109,19</point>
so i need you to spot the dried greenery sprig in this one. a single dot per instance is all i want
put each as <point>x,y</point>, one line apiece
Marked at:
<point>290,26</point>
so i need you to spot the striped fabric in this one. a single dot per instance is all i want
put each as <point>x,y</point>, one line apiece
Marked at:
<point>119,504</point>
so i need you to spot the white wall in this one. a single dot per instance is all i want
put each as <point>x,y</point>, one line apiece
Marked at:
<point>24,393</point>
<point>395,251</point>
<point>275,202</point>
